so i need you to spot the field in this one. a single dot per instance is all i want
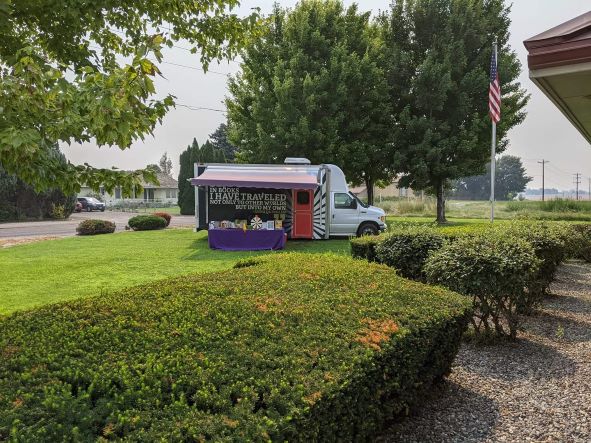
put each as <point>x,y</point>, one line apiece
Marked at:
<point>506,210</point>
<point>57,270</point>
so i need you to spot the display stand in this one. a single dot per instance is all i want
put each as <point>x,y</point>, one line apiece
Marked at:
<point>246,240</point>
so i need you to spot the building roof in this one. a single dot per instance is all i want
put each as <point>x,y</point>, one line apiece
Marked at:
<point>559,61</point>
<point>565,44</point>
<point>166,182</point>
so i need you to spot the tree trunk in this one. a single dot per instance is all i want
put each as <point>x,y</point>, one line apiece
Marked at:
<point>440,204</point>
<point>369,187</point>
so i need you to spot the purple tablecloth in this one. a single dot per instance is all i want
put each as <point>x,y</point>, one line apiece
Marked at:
<point>239,240</point>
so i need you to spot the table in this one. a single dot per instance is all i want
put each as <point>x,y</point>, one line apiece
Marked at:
<point>249,240</point>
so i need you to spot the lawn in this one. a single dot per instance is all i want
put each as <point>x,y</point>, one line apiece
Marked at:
<point>57,270</point>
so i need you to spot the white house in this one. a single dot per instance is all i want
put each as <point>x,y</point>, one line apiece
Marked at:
<point>165,192</point>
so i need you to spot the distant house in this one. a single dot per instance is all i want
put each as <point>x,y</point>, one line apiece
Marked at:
<point>165,192</point>
<point>392,190</point>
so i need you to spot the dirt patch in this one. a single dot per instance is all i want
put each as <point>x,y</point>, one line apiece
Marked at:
<point>9,242</point>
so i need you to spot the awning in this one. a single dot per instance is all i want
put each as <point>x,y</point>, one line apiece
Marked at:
<point>256,178</point>
<point>559,63</point>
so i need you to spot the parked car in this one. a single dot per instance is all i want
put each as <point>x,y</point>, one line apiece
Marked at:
<point>91,204</point>
<point>78,207</point>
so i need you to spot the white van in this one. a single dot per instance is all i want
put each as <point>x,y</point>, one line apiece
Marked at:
<point>309,201</point>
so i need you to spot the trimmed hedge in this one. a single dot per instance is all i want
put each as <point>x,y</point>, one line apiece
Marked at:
<point>94,227</point>
<point>406,246</point>
<point>496,271</point>
<point>297,347</point>
<point>407,249</point>
<point>364,247</point>
<point>165,215</point>
<point>146,223</point>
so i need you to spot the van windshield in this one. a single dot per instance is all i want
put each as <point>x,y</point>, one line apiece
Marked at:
<point>363,205</point>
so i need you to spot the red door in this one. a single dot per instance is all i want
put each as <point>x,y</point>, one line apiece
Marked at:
<point>303,211</point>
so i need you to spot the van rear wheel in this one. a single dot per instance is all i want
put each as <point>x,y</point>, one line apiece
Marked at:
<point>368,228</point>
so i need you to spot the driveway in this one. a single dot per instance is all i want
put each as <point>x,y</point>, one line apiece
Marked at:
<point>66,228</point>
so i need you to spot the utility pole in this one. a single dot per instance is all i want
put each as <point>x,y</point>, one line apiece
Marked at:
<point>577,182</point>
<point>543,162</point>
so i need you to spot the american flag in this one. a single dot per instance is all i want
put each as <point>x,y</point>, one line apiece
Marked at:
<point>494,92</point>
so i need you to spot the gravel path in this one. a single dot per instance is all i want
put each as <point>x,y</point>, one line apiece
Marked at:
<point>537,389</point>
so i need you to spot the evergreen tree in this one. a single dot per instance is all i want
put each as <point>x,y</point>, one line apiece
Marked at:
<point>18,200</point>
<point>219,140</point>
<point>312,87</point>
<point>207,153</point>
<point>165,164</point>
<point>186,196</point>
<point>437,62</point>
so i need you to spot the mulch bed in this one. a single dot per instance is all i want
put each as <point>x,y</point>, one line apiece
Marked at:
<point>536,389</point>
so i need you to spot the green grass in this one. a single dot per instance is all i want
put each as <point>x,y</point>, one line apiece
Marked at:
<point>58,270</point>
<point>566,210</point>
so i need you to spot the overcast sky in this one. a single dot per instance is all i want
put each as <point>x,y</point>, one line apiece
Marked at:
<point>544,134</point>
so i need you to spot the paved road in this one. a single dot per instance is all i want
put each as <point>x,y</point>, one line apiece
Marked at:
<point>66,228</point>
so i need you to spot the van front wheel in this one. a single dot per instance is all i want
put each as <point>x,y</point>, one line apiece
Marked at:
<point>368,228</point>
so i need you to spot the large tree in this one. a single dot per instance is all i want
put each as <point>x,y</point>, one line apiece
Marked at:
<point>510,179</point>
<point>20,201</point>
<point>438,59</point>
<point>313,87</point>
<point>83,70</point>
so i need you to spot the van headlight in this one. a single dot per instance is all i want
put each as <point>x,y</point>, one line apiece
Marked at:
<point>383,218</point>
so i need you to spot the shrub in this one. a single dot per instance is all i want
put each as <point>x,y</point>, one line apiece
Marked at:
<point>495,271</point>
<point>579,241</point>
<point>299,347</point>
<point>549,246</point>
<point>58,212</point>
<point>146,222</point>
<point>407,248</point>
<point>365,247</point>
<point>165,215</point>
<point>93,227</point>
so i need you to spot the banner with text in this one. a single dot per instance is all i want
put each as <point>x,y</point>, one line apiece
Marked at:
<point>230,203</point>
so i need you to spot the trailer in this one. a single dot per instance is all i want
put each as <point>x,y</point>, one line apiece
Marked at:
<point>307,201</point>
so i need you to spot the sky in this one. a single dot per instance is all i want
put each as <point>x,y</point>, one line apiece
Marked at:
<point>545,134</point>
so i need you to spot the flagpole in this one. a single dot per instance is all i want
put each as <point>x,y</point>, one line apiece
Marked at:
<point>492,171</point>
<point>493,155</point>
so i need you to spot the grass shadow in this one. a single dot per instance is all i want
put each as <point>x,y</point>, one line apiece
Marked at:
<point>436,418</point>
<point>554,326</point>
<point>513,361</point>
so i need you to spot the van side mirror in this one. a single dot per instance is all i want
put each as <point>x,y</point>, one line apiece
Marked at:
<point>353,204</point>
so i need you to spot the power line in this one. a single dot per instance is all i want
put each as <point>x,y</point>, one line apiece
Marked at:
<point>226,74</point>
<point>577,182</point>
<point>200,108</point>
